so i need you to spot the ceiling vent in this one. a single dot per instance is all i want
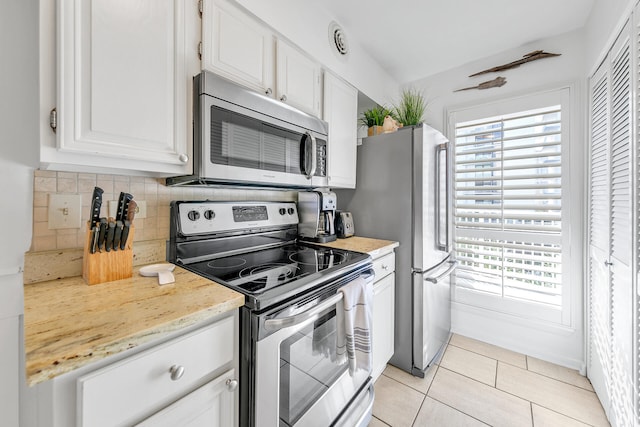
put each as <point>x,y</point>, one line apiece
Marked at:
<point>338,39</point>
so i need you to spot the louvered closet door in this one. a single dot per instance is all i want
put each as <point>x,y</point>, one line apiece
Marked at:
<point>599,314</point>
<point>611,297</point>
<point>621,250</point>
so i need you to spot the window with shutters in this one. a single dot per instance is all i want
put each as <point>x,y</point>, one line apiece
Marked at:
<point>508,211</point>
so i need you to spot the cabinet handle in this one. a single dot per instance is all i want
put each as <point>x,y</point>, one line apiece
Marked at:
<point>268,91</point>
<point>608,264</point>
<point>283,98</point>
<point>385,267</point>
<point>232,384</point>
<point>183,158</point>
<point>176,371</point>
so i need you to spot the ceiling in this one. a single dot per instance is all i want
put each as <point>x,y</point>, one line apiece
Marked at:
<point>413,39</point>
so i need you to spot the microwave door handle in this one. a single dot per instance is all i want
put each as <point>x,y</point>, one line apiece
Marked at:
<point>443,246</point>
<point>310,155</point>
<point>285,322</point>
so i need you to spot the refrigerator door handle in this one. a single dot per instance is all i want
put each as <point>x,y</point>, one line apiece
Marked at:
<point>443,246</point>
<point>452,266</point>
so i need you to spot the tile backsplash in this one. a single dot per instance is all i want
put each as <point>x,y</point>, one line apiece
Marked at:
<point>151,190</point>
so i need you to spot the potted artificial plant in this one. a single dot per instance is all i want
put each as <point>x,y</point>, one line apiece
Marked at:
<point>373,118</point>
<point>411,109</point>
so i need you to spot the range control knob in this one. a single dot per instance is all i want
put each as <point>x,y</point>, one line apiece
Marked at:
<point>193,215</point>
<point>282,211</point>
<point>209,214</point>
<point>290,211</point>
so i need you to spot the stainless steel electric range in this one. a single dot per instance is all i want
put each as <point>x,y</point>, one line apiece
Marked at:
<point>289,372</point>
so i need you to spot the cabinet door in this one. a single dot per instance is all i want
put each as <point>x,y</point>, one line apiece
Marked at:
<point>341,112</point>
<point>124,84</point>
<point>212,405</point>
<point>236,46</point>
<point>298,79</point>
<point>383,323</point>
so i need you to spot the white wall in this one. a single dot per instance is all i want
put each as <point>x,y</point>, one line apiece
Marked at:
<point>18,152</point>
<point>559,344</point>
<point>569,67</point>
<point>605,22</point>
<point>306,24</point>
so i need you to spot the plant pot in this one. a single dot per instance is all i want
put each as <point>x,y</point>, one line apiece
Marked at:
<point>374,130</point>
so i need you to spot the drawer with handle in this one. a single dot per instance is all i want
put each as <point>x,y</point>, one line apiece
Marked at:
<point>384,265</point>
<point>129,390</point>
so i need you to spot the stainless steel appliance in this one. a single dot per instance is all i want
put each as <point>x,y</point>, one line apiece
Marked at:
<point>344,225</point>
<point>289,372</point>
<point>403,195</point>
<point>317,216</point>
<point>241,136</point>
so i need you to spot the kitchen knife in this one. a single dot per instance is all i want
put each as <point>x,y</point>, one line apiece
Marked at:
<point>103,232</point>
<point>94,238</point>
<point>110,234</point>
<point>96,204</point>
<point>131,213</point>
<point>117,235</point>
<point>123,203</point>
<point>131,210</point>
<point>125,234</point>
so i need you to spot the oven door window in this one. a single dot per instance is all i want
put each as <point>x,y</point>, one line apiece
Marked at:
<point>237,140</point>
<point>308,367</point>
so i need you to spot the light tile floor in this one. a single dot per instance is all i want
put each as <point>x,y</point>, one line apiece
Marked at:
<point>479,384</point>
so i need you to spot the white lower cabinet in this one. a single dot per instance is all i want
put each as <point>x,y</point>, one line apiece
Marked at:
<point>125,392</point>
<point>383,312</point>
<point>212,405</point>
<point>188,379</point>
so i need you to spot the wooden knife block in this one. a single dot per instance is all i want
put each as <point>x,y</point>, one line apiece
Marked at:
<point>104,266</point>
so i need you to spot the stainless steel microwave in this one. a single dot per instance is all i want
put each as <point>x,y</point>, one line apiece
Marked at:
<point>245,138</point>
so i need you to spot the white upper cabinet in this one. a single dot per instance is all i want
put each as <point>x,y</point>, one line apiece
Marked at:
<point>124,79</point>
<point>242,49</point>
<point>237,47</point>
<point>341,112</point>
<point>298,79</point>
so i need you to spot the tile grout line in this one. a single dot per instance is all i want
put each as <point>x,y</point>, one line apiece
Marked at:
<point>408,385</point>
<point>533,421</point>
<point>556,379</point>
<point>456,409</point>
<point>373,416</point>
<point>527,368</point>
<point>564,415</point>
<point>490,357</point>
<point>426,394</point>
<point>542,406</point>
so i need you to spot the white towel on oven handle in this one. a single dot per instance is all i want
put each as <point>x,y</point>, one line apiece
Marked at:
<point>353,324</point>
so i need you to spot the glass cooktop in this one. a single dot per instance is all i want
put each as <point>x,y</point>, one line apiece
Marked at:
<point>256,272</point>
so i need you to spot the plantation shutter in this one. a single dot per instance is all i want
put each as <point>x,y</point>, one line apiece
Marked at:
<point>508,205</point>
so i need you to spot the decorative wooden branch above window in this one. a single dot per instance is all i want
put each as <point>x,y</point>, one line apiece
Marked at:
<point>529,57</point>
<point>497,82</point>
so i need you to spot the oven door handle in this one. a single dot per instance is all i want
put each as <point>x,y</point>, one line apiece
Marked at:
<point>311,314</point>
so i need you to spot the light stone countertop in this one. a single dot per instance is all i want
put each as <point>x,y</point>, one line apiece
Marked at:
<point>374,247</point>
<point>69,324</point>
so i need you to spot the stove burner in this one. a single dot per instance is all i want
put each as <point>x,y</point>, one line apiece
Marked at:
<point>324,259</point>
<point>226,263</point>
<point>283,271</point>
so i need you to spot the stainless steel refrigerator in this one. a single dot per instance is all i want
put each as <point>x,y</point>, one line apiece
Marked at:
<point>402,194</point>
